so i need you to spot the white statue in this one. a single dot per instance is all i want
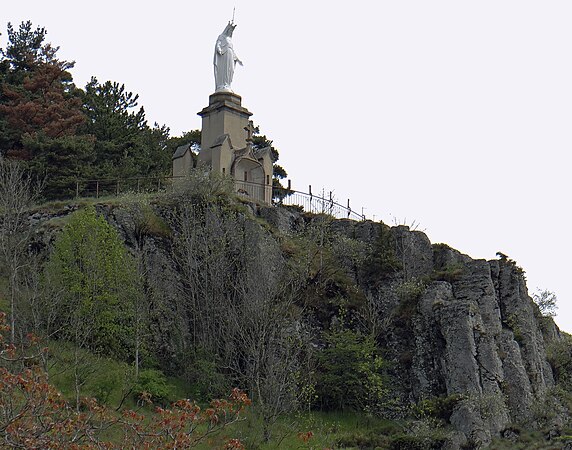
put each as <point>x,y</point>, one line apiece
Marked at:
<point>224,60</point>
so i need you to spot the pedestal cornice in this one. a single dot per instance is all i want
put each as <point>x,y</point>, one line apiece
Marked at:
<point>226,100</point>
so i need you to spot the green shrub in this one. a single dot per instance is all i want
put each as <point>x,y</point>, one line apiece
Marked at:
<point>513,323</point>
<point>200,370</point>
<point>381,263</point>
<point>559,355</point>
<point>350,374</point>
<point>153,383</point>
<point>148,223</point>
<point>363,439</point>
<point>437,407</point>
<point>409,292</point>
<point>105,385</point>
<point>202,186</point>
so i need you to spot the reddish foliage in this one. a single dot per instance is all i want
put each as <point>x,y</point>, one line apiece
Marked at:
<point>43,103</point>
<point>33,414</point>
<point>305,436</point>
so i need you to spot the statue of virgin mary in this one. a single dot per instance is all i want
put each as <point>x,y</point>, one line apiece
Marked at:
<point>224,60</point>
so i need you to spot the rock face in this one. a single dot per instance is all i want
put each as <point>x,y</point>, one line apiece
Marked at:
<point>473,333</point>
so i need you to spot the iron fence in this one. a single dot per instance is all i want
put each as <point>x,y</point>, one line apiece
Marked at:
<point>317,204</point>
<point>114,187</point>
<point>307,201</point>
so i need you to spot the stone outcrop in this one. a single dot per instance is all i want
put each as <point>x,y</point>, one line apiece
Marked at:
<point>471,334</point>
<point>474,333</point>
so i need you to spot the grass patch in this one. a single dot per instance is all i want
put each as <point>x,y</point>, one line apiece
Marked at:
<point>56,223</point>
<point>315,430</point>
<point>528,440</point>
<point>150,224</point>
<point>323,430</point>
<point>54,206</point>
<point>449,273</point>
<point>109,381</point>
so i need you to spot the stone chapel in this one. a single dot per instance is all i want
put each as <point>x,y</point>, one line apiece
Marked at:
<point>226,136</point>
<point>226,147</point>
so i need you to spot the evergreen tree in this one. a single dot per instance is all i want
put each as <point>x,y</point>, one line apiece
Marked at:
<point>60,161</point>
<point>350,374</point>
<point>25,48</point>
<point>38,94</point>
<point>125,145</point>
<point>40,111</point>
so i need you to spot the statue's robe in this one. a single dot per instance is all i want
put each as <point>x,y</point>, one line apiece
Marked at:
<point>224,61</point>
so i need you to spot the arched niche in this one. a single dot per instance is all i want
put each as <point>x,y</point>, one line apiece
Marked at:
<point>249,178</point>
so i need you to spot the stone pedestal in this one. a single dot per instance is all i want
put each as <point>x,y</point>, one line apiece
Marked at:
<point>227,148</point>
<point>224,115</point>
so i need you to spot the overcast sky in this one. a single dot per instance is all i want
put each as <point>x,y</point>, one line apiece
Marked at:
<point>455,115</point>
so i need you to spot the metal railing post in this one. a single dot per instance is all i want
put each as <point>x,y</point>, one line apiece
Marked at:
<point>258,191</point>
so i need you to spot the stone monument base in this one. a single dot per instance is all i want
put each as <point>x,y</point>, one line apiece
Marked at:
<point>224,115</point>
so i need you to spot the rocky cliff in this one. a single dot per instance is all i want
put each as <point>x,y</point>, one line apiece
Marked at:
<point>451,327</point>
<point>457,327</point>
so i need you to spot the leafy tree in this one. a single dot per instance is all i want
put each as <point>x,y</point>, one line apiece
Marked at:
<point>125,145</point>
<point>93,283</point>
<point>546,302</point>
<point>239,301</point>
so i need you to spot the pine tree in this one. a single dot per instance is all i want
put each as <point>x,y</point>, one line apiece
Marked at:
<point>40,112</point>
<point>38,94</point>
<point>125,144</point>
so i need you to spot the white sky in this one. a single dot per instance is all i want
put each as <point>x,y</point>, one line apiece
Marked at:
<point>454,114</point>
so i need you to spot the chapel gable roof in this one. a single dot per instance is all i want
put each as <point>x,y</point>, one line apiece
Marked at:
<point>262,152</point>
<point>181,150</point>
<point>220,140</point>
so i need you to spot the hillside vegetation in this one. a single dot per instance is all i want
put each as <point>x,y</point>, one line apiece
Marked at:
<point>194,318</point>
<point>192,292</point>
